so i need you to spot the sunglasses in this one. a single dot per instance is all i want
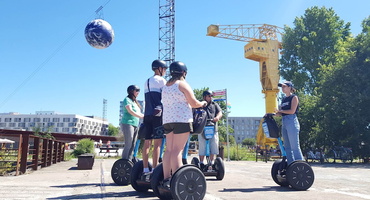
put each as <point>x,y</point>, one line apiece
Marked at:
<point>137,90</point>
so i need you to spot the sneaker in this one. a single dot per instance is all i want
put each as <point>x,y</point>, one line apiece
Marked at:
<point>166,183</point>
<point>209,168</point>
<point>146,176</point>
<point>202,166</point>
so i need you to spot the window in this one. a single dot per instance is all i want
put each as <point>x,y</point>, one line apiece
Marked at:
<point>17,119</point>
<point>32,124</point>
<point>50,124</point>
<point>8,119</point>
<point>11,124</point>
<point>22,124</point>
<point>66,119</point>
<point>65,130</point>
<point>56,119</point>
<point>60,125</point>
<point>2,124</point>
<point>71,124</point>
<point>46,120</point>
<point>27,119</point>
<point>36,120</point>
<point>75,120</point>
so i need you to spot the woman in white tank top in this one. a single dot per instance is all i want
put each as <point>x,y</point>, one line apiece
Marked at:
<point>178,100</point>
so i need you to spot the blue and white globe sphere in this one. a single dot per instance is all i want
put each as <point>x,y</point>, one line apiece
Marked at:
<point>99,34</point>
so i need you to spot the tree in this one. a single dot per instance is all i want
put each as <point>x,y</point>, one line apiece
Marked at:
<point>311,44</point>
<point>112,130</point>
<point>46,134</point>
<point>346,96</point>
<point>249,142</point>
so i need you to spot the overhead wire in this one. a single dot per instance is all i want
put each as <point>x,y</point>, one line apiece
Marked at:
<point>59,48</point>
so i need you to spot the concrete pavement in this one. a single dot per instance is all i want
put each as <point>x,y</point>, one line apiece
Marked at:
<point>243,180</point>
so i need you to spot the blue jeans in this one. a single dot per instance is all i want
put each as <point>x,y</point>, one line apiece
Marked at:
<point>290,131</point>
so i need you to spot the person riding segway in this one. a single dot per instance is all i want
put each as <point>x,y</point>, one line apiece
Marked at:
<point>292,169</point>
<point>121,170</point>
<point>171,179</point>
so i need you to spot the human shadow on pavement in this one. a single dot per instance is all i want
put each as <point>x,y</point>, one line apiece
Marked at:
<point>77,185</point>
<point>108,195</point>
<point>263,189</point>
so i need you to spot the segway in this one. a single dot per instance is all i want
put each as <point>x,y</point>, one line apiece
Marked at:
<point>218,169</point>
<point>121,169</point>
<point>139,181</point>
<point>299,174</point>
<point>142,182</point>
<point>188,182</point>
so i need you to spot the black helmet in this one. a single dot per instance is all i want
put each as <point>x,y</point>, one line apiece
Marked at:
<point>132,88</point>
<point>178,67</point>
<point>158,63</point>
<point>207,92</point>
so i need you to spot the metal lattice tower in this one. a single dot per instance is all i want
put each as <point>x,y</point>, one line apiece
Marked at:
<point>167,32</point>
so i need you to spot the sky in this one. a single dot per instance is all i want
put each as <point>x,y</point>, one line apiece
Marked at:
<point>47,65</point>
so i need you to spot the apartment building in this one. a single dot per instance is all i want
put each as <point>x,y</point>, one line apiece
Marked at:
<point>55,122</point>
<point>244,127</point>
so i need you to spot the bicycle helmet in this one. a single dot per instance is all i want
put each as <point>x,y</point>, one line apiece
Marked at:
<point>178,67</point>
<point>132,88</point>
<point>158,63</point>
<point>207,92</point>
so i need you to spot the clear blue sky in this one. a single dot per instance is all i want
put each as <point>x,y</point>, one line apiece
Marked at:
<point>36,76</point>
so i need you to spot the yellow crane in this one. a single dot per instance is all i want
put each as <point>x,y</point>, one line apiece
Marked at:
<point>263,46</point>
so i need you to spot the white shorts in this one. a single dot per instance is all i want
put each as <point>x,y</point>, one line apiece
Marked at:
<point>212,142</point>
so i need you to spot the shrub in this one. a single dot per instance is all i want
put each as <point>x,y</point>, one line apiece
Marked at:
<point>85,145</point>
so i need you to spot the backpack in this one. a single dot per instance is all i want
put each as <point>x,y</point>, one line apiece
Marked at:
<point>199,120</point>
<point>270,127</point>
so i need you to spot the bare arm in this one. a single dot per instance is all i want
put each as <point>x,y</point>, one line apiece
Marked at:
<point>218,117</point>
<point>136,114</point>
<point>185,88</point>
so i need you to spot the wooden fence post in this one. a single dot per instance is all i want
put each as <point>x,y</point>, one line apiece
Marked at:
<point>36,144</point>
<point>50,152</point>
<point>44,152</point>
<point>24,153</point>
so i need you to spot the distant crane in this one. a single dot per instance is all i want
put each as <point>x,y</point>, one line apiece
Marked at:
<point>105,109</point>
<point>263,46</point>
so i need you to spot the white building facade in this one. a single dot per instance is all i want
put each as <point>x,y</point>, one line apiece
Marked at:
<point>55,122</point>
<point>244,127</point>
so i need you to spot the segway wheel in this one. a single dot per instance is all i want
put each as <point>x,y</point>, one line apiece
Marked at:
<point>121,171</point>
<point>137,171</point>
<point>278,173</point>
<point>195,161</point>
<point>300,175</point>
<point>157,178</point>
<point>188,182</point>
<point>220,168</point>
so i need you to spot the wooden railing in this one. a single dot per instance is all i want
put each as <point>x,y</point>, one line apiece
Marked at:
<point>29,152</point>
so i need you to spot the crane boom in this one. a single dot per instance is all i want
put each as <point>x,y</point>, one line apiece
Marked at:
<point>245,32</point>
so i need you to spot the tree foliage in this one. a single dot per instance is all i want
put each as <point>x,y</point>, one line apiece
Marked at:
<point>112,130</point>
<point>310,45</point>
<point>331,70</point>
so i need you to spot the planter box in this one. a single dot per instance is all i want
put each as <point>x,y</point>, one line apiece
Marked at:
<point>85,161</point>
